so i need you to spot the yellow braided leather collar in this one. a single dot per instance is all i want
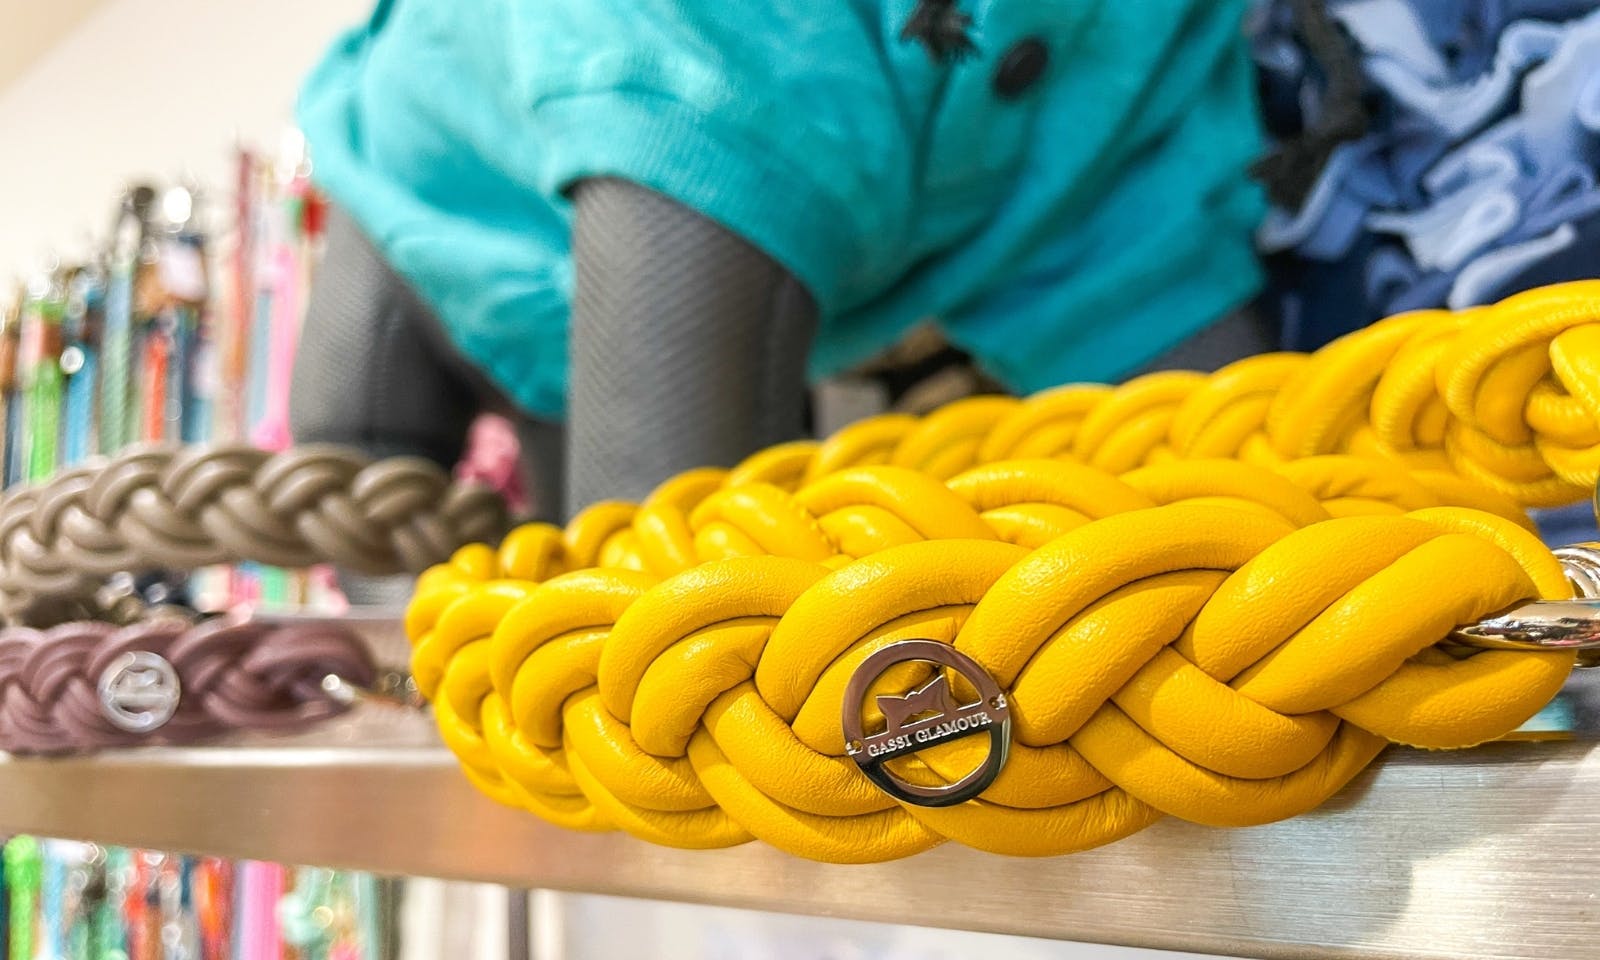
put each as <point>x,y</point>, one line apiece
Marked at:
<point>1215,597</point>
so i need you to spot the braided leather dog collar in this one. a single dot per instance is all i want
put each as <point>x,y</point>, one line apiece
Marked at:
<point>58,686</point>
<point>1211,597</point>
<point>182,508</point>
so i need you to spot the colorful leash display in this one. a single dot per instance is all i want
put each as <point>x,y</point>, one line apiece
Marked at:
<point>68,900</point>
<point>10,350</point>
<point>131,231</point>
<point>80,364</point>
<point>142,346</point>
<point>42,379</point>
<point>259,935</point>
<point>1038,626</point>
<point>272,431</point>
<point>330,915</point>
<point>134,349</point>
<point>214,893</point>
<point>24,867</point>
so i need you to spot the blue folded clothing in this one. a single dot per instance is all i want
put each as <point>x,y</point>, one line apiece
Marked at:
<point>1474,172</point>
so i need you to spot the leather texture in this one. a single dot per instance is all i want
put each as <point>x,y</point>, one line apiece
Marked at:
<point>163,507</point>
<point>234,675</point>
<point>1212,597</point>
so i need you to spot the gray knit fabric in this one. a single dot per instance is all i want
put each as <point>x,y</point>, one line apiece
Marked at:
<point>368,369</point>
<point>688,345</point>
<point>375,371</point>
<point>688,348</point>
<point>1243,333</point>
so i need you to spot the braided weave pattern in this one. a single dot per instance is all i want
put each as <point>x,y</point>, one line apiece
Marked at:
<point>1211,597</point>
<point>181,508</point>
<point>1506,397</point>
<point>234,675</point>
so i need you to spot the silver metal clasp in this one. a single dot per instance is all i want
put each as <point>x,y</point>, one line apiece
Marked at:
<point>139,691</point>
<point>926,717</point>
<point>1541,625</point>
<point>382,633</point>
<point>1550,624</point>
<point>394,688</point>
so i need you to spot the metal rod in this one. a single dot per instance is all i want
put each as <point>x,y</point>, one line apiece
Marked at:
<point>1541,625</point>
<point>395,688</point>
<point>1582,563</point>
<point>1550,624</point>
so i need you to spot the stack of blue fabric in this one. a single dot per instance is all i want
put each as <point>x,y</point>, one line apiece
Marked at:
<point>1431,153</point>
<point>1470,172</point>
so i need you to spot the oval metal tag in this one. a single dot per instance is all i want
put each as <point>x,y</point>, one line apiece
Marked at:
<point>926,717</point>
<point>139,691</point>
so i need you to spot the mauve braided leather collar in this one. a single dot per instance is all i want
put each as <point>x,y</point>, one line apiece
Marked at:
<point>235,674</point>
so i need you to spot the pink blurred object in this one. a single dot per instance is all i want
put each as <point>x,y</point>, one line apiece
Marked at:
<point>492,459</point>
<point>262,885</point>
<point>272,433</point>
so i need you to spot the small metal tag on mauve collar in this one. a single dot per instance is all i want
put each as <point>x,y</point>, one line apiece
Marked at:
<point>139,691</point>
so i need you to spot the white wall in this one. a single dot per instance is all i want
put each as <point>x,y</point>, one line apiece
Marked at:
<point>29,29</point>
<point>146,88</point>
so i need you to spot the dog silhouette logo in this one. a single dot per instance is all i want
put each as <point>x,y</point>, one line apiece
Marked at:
<point>932,697</point>
<point>925,717</point>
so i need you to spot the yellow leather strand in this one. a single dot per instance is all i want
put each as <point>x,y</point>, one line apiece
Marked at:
<point>1212,597</point>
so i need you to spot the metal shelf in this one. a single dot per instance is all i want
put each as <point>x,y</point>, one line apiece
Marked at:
<point>1494,852</point>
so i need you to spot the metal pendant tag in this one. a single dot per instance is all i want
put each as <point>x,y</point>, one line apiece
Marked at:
<point>926,717</point>
<point>139,692</point>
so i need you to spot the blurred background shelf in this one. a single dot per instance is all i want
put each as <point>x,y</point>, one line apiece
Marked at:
<point>1493,852</point>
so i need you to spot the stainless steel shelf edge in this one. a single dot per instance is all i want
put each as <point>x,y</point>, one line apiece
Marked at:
<point>1493,852</point>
